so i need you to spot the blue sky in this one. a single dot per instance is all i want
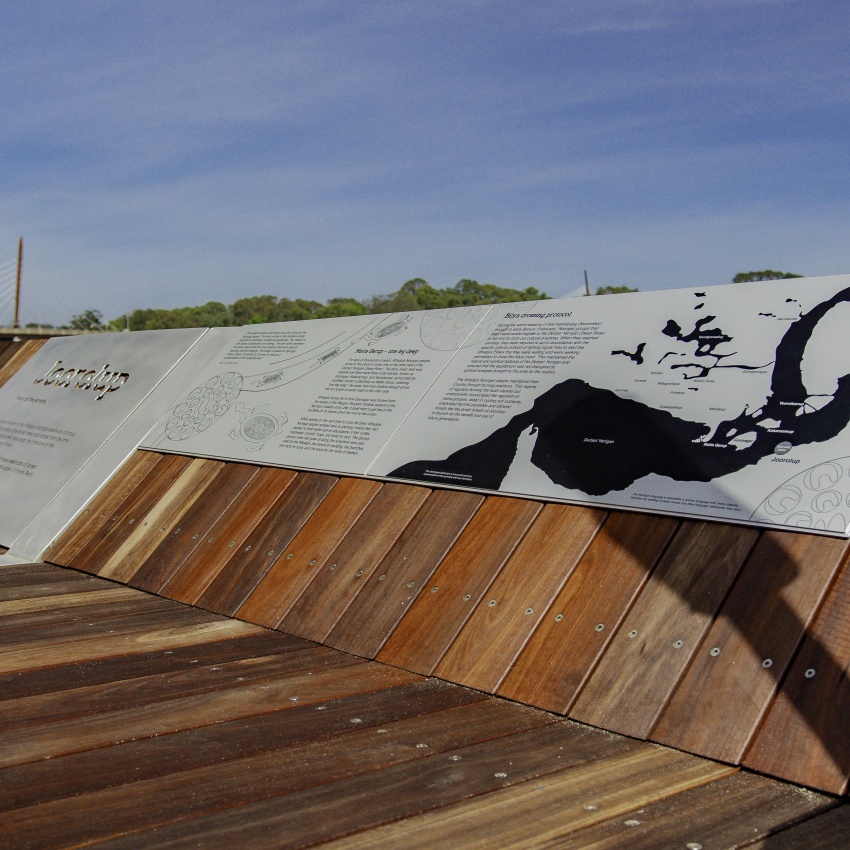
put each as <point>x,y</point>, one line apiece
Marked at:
<point>160,154</point>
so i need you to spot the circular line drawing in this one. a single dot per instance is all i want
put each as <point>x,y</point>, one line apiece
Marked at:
<point>818,497</point>
<point>203,406</point>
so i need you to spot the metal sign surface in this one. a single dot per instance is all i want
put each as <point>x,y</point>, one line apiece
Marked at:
<point>60,410</point>
<point>323,395</point>
<point>728,403</point>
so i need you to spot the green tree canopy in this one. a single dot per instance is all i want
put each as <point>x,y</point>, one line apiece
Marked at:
<point>613,290</point>
<point>416,294</point>
<point>766,274</point>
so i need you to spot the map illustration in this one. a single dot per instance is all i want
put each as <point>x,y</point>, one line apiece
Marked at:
<point>597,440</point>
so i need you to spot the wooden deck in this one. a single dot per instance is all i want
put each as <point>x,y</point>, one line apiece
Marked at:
<point>719,640</point>
<point>131,720</point>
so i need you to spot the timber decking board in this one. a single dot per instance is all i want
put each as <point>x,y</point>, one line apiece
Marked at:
<point>351,564</point>
<point>830,831</point>
<point>56,602</point>
<point>539,813</point>
<point>804,736</point>
<point>721,698</point>
<point>189,486</point>
<point>308,552</point>
<point>266,543</point>
<point>401,784</point>
<point>20,353</point>
<point>242,782</point>
<point>378,607</point>
<point>87,525</point>
<point>489,643</point>
<point>83,672</point>
<point>50,653</point>
<point>225,733</point>
<point>441,609</point>
<point>193,526</point>
<point>205,746</point>
<point>227,535</point>
<point>131,511</point>
<point>730,812</point>
<point>651,648</point>
<point>563,651</point>
<point>154,688</point>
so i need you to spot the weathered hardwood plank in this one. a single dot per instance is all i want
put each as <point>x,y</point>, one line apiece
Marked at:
<point>35,655</point>
<point>95,553</point>
<point>329,674</point>
<point>493,636</point>
<point>732,678</point>
<point>539,813</point>
<point>646,657</point>
<point>147,804</point>
<point>19,354</point>
<point>98,513</point>
<point>94,770</point>
<point>163,516</point>
<point>828,831</point>
<point>246,568</point>
<point>194,526</point>
<point>14,575</point>
<point>16,714</point>
<point>804,736</point>
<point>65,601</point>
<point>305,555</point>
<point>60,622</point>
<point>563,651</point>
<point>46,583</point>
<point>228,535</point>
<point>459,583</point>
<point>380,604</point>
<point>730,812</point>
<point>175,657</point>
<point>353,561</point>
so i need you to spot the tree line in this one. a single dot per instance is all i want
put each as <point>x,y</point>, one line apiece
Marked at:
<point>416,294</point>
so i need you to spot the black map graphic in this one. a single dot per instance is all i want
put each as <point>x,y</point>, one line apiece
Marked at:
<point>592,440</point>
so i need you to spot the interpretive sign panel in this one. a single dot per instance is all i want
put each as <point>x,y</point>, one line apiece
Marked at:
<point>323,395</point>
<point>63,405</point>
<point>730,402</point>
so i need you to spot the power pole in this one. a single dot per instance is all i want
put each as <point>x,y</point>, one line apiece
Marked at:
<point>18,283</point>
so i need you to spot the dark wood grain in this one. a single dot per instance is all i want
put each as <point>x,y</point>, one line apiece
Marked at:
<point>276,731</point>
<point>381,603</point>
<point>97,551</point>
<point>722,696</point>
<point>306,554</point>
<point>330,674</point>
<point>284,786</point>
<point>266,543</point>
<point>81,672</point>
<point>830,831</point>
<point>730,812</point>
<point>563,651</point>
<point>97,514</point>
<point>492,638</point>
<point>441,609</point>
<point>804,736</point>
<point>541,812</point>
<point>193,526</point>
<point>353,561</point>
<point>45,652</point>
<point>646,657</point>
<point>186,489</point>
<point>227,535</point>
